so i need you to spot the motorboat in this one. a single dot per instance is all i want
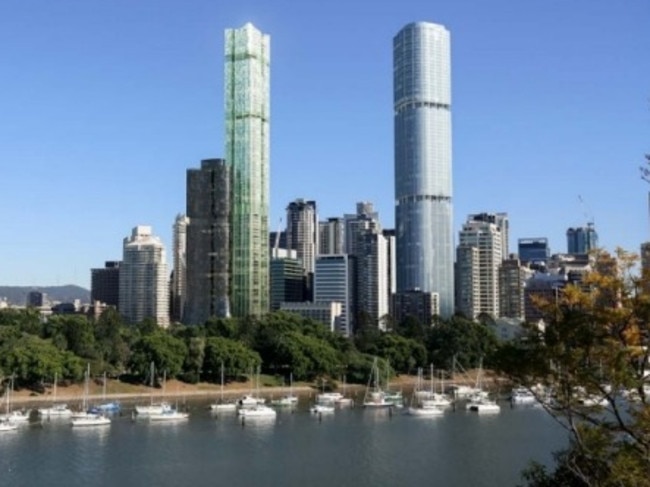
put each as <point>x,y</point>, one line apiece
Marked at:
<point>322,408</point>
<point>91,420</point>
<point>156,408</point>
<point>169,415</point>
<point>56,410</point>
<point>521,395</point>
<point>257,411</point>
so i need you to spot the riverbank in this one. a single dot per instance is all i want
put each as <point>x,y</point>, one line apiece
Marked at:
<point>133,393</point>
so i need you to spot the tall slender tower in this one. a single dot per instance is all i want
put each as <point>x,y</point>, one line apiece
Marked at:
<point>247,154</point>
<point>423,190</point>
<point>302,232</point>
<point>144,285</point>
<point>208,254</point>
<point>179,276</point>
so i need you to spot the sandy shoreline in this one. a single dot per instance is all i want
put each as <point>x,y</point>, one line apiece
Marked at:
<point>129,393</point>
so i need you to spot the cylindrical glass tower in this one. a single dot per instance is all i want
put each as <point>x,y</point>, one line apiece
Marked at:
<point>423,190</point>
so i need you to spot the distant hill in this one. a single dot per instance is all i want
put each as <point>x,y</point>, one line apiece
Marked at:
<point>17,295</point>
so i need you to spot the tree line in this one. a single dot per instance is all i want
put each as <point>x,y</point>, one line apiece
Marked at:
<point>280,343</point>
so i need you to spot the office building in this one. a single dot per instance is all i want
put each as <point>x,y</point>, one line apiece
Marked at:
<point>327,313</point>
<point>144,284</point>
<point>416,304</point>
<point>105,283</point>
<point>208,250</point>
<point>467,281</point>
<point>302,232</point>
<point>247,153</point>
<point>37,299</point>
<point>178,287</point>
<point>287,281</point>
<point>534,251</point>
<point>512,283</point>
<point>581,240</point>
<point>423,177</point>
<point>372,277</point>
<point>331,236</point>
<point>333,282</point>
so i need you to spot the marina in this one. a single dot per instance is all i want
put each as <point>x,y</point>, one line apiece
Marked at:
<point>293,447</point>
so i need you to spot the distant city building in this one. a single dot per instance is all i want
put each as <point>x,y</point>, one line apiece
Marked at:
<point>366,218</point>
<point>105,283</point>
<point>502,222</point>
<point>278,244</point>
<point>247,110</point>
<point>302,232</point>
<point>533,250</point>
<point>372,272</point>
<point>178,289</point>
<point>507,329</point>
<point>423,175</point>
<point>144,286</point>
<point>389,235</point>
<point>331,236</point>
<point>328,313</point>
<point>417,304</point>
<point>208,242</point>
<point>467,281</point>
<point>512,283</point>
<point>484,235</point>
<point>37,299</point>
<point>333,282</point>
<point>581,240</point>
<point>287,281</point>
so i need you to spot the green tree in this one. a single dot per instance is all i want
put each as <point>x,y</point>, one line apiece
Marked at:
<point>165,351</point>
<point>594,345</point>
<point>236,358</point>
<point>462,340</point>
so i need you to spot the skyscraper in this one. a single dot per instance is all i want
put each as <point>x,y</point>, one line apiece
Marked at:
<point>302,232</point>
<point>179,276</point>
<point>247,54</point>
<point>105,283</point>
<point>581,240</point>
<point>144,286</point>
<point>207,254</point>
<point>423,189</point>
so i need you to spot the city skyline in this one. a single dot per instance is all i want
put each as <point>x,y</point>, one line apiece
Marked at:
<point>550,103</point>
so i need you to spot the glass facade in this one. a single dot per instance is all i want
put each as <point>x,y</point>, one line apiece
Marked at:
<point>247,154</point>
<point>423,188</point>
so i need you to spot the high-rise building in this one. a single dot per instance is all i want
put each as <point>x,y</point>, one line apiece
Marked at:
<point>500,220</point>
<point>423,179</point>
<point>302,232</point>
<point>534,251</point>
<point>247,153</point>
<point>331,236</point>
<point>178,288</point>
<point>287,281</point>
<point>144,285</point>
<point>333,282</point>
<point>581,240</point>
<point>415,304</point>
<point>372,292</point>
<point>37,299</point>
<point>467,280</point>
<point>486,237</point>
<point>512,283</point>
<point>208,236</point>
<point>105,283</point>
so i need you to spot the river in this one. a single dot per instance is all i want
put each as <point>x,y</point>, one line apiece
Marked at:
<point>352,447</point>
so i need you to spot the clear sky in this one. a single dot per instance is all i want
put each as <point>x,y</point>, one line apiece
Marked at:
<point>105,104</point>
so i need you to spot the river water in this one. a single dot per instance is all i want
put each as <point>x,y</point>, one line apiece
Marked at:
<point>352,447</point>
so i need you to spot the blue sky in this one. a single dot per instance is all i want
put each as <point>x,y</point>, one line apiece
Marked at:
<point>104,105</point>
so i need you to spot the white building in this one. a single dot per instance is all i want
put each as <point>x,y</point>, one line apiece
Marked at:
<point>328,313</point>
<point>333,282</point>
<point>144,289</point>
<point>487,238</point>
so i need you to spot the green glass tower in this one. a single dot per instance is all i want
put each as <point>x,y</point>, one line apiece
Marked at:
<point>247,154</point>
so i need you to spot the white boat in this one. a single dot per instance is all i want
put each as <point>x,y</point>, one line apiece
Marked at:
<point>287,400</point>
<point>91,420</point>
<point>222,405</point>
<point>13,416</point>
<point>55,410</point>
<point>258,411</point>
<point>83,413</point>
<point>8,426</point>
<point>425,410</point>
<point>521,395</point>
<point>248,401</point>
<point>375,397</point>
<point>154,408</point>
<point>322,409</point>
<point>484,406</point>
<point>169,415</point>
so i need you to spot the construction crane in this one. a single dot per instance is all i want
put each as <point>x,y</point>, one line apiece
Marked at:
<point>276,244</point>
<point>590,221</point>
